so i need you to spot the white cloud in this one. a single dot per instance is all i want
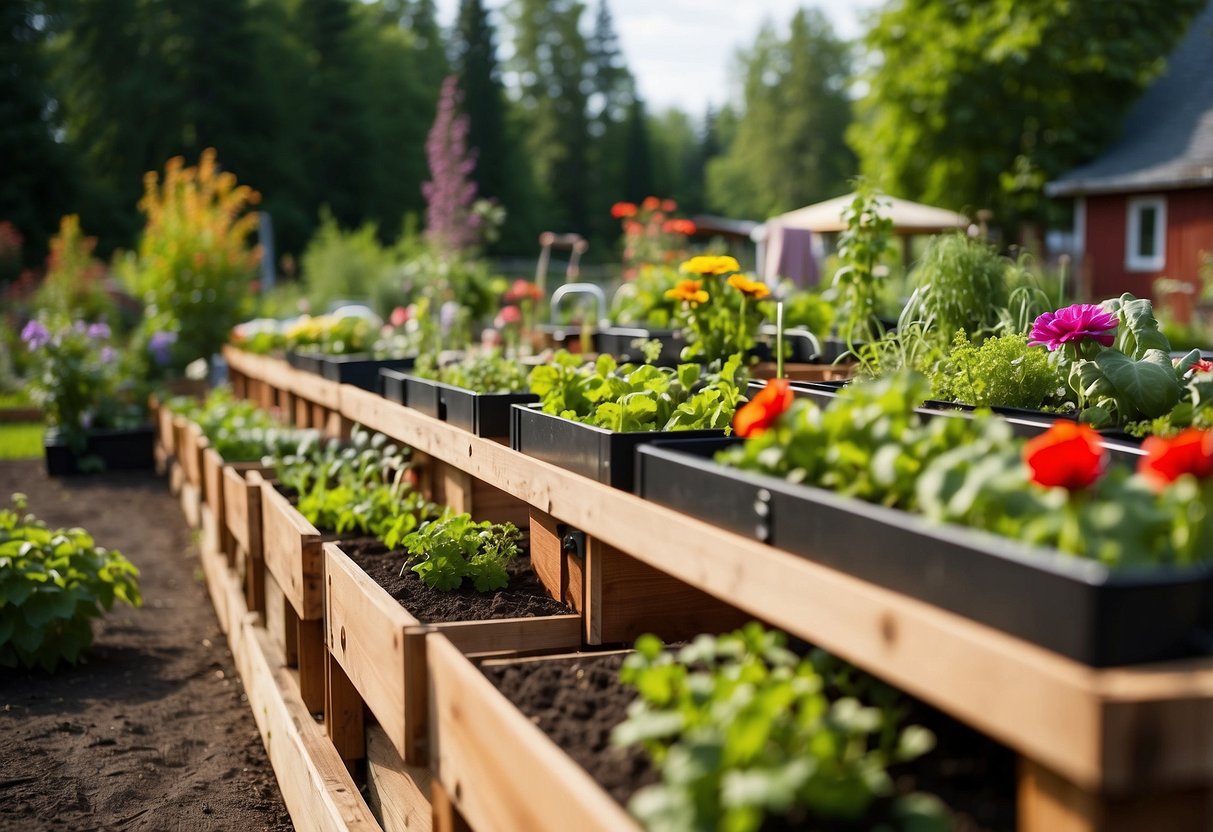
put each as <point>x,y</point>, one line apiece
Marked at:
<point>681,51</point>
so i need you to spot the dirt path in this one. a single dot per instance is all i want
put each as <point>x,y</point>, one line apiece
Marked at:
<point>153,732</point>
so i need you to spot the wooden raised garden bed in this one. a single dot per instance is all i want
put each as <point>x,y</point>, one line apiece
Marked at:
<point>242,519</point>
<point>214,469</point>
<point>380,647</point>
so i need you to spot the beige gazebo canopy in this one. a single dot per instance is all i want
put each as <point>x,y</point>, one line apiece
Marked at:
<point>908,217</point>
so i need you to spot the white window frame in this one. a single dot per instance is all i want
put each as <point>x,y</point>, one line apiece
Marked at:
<point>1133,261</point>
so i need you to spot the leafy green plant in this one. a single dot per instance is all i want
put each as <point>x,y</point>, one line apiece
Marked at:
<point>52,584</point>
<point>642,301</point>
<point>959,285</point>
<point>743,730</point>
<point>455,547</point>
<point>1003,371</point>
<point>238,430</point>
<point>856,282</point>
<point>489,372</point>
<point>639,398</point>
<point>363,487</point>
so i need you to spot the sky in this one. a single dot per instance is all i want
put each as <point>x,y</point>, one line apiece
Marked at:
<point>681,50</point>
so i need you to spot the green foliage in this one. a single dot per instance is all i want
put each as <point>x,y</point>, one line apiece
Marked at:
<point>628,398</point>
<point>332,335</point>
<point>360,488</point>
<point>959,284</point>
<point>345,265</point>
<point>861,247</point>
<point>455,547</point>
<point>489,372</point>
<point>789,150</point>
<point>742,731</point>
<point>1062,77</point>
<point>52,584</point>
<point>239,431</point>
<point>809,310</point>
<point>75,280</point>
<point>1001,371</point>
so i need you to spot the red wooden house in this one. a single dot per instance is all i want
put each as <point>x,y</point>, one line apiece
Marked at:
<point>1144,209</point>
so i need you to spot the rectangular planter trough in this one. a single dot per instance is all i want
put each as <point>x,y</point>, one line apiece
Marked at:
<point>1070,605</point>
<point>117,450</point>
<point>486,415</point>
<point>605,456</point>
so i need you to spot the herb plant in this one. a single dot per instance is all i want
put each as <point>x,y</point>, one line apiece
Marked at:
<point>486,373</point>
<point>861,249</point>
<point>639,398</point>
<point>1002,371</point>
<point>455,547</point>
<point>743,730</point>
<point>238,430</point>
<point>52,584</point>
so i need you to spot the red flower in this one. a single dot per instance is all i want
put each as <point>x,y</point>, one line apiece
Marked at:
<point>400,316</point>
<point>1204,365</point>
<point>523,290</point>
<point>762,411</point>
<point>684,227</point>
<point>1068,455</point>
<point>651,203</point>
<point>622,210</point>
<point>669,205</point>
<point>1166,460</point>
<point>633,228</point>
<point>508,316</point>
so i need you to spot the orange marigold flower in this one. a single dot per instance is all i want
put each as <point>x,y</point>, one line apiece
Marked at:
<point>1166,460</point>
<point>750,288</point>
<point>762,411</point>
<point>707,265</point>
<point>685,227</point>
<point>622,210</point>
<point>651,203</point>
<point>690,291</point>
<point>1068,455</point>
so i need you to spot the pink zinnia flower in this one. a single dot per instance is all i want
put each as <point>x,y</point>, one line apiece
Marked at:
<point>508,316</point>
<point>400,316</point>
<point>1074,323</point>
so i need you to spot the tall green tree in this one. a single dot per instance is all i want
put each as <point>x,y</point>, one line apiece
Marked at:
<point>615,140</point>
<point>549,62</point>
<point>977,107</point>
<point>36,181</point>
<point>790,147</point>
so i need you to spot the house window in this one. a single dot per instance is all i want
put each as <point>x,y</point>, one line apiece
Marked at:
<point>1146,245</point>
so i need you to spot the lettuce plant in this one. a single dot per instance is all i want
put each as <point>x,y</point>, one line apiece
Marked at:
<point>53,583</point>
<point>639,398</point>
<point>486,373</point>
<point>455,547</point>
<point>743,730</point>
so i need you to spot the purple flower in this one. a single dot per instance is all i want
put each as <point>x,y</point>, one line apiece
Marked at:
<point>448,314</point>
<point>159,346</point>
<point>107,354</point>
<point>1074,323</point>
<point>101,330</point>
<point>35,335</point>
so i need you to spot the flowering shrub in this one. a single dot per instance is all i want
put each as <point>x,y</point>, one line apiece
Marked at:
<point>651,234</point>
<point>78,379</point>
<point>719,308</point>
<point>74,283</point>
<point>195,267</point>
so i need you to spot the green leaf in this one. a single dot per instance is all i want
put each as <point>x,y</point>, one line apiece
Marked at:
<point>1148,385</point>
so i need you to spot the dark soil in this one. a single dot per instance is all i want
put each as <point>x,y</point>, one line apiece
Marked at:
<point>152,729</point>
<point>526,596</point>
<point>577,702</point>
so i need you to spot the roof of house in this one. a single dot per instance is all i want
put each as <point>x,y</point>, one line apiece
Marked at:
<point>1168,135</point>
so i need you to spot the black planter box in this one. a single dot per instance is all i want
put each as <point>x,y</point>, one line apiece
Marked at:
<point>1070,605</point>
<point>361,369</point>
<point>391,385</point>
<point>485,414</point>
<point>425,395</point>
<point>619,341</point>
<point>117,450</point>
<point>306,360</point>
<point>606,456</point>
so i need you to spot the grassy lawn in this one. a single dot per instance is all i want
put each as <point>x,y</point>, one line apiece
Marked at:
<point>21,440</point>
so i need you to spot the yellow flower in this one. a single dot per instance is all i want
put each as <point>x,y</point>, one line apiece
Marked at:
<point>689,290</point>
<point>750,288</point>
<point>705,265</point>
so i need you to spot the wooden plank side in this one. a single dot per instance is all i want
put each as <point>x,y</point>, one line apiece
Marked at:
<point>626,598</point>
<point>1047,707</point>
<point>546,557</point>
<point>191,504</point>
<point>212,480</point>
<point>238,496</point>
<point>365,635</point>
<point>398,793</point>
<point>548,632</point>
<point>291,548</point>
<point>214,567</point>
<point>315,388</point>
<point>502,771</point>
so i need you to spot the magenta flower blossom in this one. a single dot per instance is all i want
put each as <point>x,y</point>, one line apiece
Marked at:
<point>1074,323</point>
